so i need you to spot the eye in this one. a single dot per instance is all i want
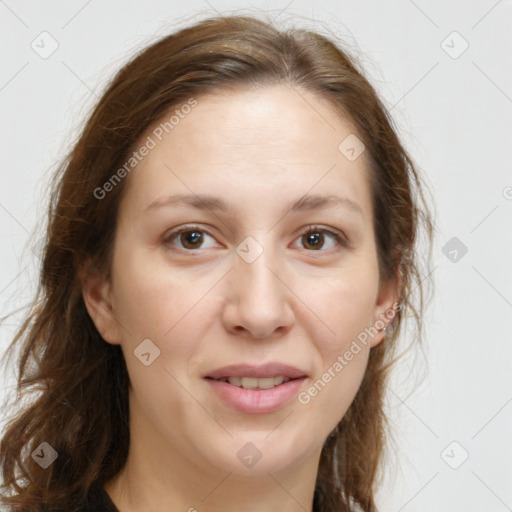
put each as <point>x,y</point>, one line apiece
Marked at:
<point>192,238</point>
<point>189,238</point>
<point>316,238</point>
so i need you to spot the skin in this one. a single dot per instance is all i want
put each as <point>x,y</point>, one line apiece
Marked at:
<point>298,303</point>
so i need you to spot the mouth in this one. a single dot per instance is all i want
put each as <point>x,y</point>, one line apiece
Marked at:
<point>254,389</point>
<point>250,376</point>
<point>256,383</point>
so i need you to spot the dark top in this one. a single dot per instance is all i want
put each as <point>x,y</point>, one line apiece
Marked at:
<point>98,500</point>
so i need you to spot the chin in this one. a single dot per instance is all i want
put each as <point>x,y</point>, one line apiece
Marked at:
<point>258,453</point>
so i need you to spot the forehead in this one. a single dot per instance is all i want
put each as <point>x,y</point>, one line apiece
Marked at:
<point>255,146</point>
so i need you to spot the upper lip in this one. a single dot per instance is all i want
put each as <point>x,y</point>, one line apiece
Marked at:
<point>257,371</point>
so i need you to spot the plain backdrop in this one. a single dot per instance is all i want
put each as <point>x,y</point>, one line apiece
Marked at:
<point>444,70</point>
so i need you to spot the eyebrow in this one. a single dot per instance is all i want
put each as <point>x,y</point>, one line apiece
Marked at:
<point>305,203</point>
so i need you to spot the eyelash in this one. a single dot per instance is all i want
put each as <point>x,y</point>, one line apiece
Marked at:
<point>338,237</point>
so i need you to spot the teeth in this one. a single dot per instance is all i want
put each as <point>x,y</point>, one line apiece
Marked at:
<point>236,381</point>
<point>253,383</point>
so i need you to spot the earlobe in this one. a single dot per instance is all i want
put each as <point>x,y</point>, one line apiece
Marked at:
<point>97,296</point>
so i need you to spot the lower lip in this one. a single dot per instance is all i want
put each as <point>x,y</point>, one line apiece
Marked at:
<point>256,401</point>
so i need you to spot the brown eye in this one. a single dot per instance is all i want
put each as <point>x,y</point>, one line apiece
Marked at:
<point>316,239</point>
<point>313,240</point>
<point>189,239</point>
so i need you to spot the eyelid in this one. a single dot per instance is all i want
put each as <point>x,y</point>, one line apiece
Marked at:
<point>189,227</point>
<point>339,236</point>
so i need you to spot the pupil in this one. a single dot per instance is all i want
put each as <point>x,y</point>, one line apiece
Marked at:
<point>314,239</point>
<point>192,237</point>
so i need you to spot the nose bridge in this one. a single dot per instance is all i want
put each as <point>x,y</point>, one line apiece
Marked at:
<point>256,273</point>
<point>259,300</point>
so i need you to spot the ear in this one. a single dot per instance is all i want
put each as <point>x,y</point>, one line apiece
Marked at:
<point>385,308</point>
<point>97,295</point>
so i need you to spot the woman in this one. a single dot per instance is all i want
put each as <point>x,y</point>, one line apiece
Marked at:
<point>229,260</point>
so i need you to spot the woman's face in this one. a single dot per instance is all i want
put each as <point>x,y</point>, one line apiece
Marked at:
<point>244,239</point>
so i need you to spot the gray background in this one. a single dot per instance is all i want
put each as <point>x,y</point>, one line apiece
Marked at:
<point>453,111</point>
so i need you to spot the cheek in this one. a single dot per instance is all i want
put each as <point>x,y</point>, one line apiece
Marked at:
<point>329,396</point>
<point>346,305</point>
<point>151,298</point>
<point>161,306</point>
<point>343,363</point>
<point>167,307</point>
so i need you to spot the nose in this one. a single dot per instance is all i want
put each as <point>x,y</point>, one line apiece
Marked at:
<point>258,302</point>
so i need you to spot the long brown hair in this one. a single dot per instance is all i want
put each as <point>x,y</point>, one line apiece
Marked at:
<point>80,382</point>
